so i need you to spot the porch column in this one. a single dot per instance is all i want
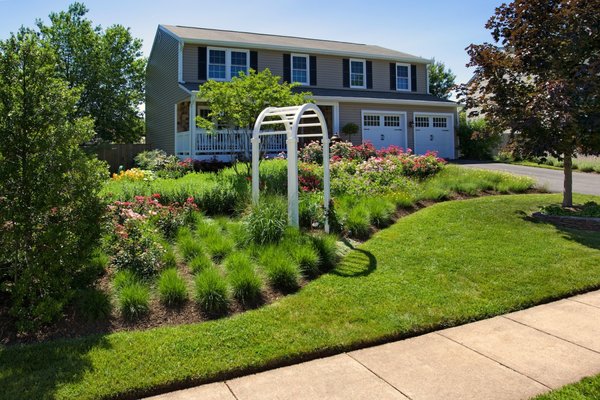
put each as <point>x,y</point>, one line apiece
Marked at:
<point>193,126</point>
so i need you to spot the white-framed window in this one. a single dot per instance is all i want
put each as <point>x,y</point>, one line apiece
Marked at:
<point>224,64</point>
<point>300,68</point>
<point>402,76</point>
<point>422,122</point>
<point>371,120</point>
<point>358,74</point>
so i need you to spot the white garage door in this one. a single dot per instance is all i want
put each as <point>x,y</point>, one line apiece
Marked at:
<point>434,132</point>
<point>384,129</point>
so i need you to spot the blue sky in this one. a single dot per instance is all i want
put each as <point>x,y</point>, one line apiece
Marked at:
<point>427,28</point>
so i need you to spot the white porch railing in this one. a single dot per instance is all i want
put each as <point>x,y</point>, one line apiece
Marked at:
<point>227,143</point>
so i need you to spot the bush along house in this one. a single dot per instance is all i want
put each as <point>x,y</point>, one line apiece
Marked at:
<point>383,92</point>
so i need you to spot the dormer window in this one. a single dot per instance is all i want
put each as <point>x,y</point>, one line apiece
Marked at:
<point>357,74</point>
<point>224,64</point>
<point>300,71</point>
<point>402,76</point>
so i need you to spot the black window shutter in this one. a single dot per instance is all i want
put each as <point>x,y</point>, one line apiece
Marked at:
<point>313,71</point>
<point>346,72</point>
<point>393,76</point>
<point>254,60</point>
<point>287,68</point>
<point>369,75</point>
<point>202,63</point>
<point>413,75</point>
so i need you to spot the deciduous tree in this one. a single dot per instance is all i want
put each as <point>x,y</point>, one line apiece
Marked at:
<point>441,80</point>
<point>49,188</point>
<point>541,78</point>
<point>108,67</point>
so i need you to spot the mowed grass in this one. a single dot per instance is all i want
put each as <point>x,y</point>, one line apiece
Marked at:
<point>448,264</point>
<point>586,389</point>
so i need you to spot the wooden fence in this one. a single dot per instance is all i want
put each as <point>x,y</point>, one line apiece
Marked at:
<point>117,155</point>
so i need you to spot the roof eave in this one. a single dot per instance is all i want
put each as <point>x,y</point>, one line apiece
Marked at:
<point>259,46</point>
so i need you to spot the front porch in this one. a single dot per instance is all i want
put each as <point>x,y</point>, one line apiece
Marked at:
<point>193,142</point>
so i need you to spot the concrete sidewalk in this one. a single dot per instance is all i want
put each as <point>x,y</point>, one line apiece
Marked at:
<point>514,356</point>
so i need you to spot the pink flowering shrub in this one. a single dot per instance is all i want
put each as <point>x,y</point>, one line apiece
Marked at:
<point>137,227</point>
<point>310,177</point>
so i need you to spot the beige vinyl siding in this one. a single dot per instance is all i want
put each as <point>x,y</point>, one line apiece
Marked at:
<point>272,60</point>
<point>162,92</point>
<point>330,72</point>
<point>329,69</point>
<point>190,63</point>
<point>351,112</point>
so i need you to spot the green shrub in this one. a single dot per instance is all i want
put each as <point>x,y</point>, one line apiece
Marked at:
<point>188,245</point>
<point>246,285</point>
<point>200,263</point>
<point>310,210</point>
<point>266,222</point>
<point>273,175</point>
<point>326,245</point>
<point>95,268</point>
<point>134,300</point>
<point>282,271</point>
<point>50,208</point>
<point>172,288</point>
<point>476,139</point>
<point>139,250</point>
<point>212,294</point>
<point>93,304</point>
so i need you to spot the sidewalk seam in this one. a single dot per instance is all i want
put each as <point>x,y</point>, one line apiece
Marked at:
<point>230,390</point>
<point>548,333</point>
<point>380,377</point>
<point>581,302</point>
<point>496,361</point>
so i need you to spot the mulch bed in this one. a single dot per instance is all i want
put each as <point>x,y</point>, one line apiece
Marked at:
<point>74,325</point>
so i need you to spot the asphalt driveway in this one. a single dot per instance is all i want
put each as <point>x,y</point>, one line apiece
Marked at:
<point>552,180</point>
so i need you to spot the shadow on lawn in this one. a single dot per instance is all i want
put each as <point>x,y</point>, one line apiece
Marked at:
<point>357,263</point>
<point>37,371</point>
<point>587,238</point>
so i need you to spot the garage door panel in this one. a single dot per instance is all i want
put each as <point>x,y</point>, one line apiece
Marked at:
<point>384,130</point>
<point>434,133</point>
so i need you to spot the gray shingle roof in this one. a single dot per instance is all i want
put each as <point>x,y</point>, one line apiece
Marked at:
<point>218,37</point>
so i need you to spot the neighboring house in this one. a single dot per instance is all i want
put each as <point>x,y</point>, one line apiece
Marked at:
<point>384,92</point>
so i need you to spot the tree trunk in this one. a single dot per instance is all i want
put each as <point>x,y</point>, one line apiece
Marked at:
<point>568,182</point>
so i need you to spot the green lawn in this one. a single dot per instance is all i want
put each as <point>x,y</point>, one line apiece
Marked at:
<point>445,265</point>
<point>586,389</point>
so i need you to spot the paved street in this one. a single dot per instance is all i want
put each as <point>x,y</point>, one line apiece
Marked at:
<point>514,356</point>
<point>586,183</point>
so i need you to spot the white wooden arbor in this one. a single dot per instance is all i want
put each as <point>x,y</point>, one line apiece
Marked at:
<point>291,119</point>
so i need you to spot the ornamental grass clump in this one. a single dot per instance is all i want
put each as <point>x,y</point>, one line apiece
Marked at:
<point>281,269</point>
<point>188,245</point>
<point>381,211</point>
<point>307,258</point>
<point>200,263</point>
<point>134,298</point>
<point>267,221</point>
<point>212,293</point>
<point>326,245</point>
<point>245,283</point>
<point>172,288</point>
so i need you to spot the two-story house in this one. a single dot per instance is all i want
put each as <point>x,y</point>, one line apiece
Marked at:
<point>383,91</point>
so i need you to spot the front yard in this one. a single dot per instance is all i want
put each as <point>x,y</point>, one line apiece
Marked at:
<point>445,265</point>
